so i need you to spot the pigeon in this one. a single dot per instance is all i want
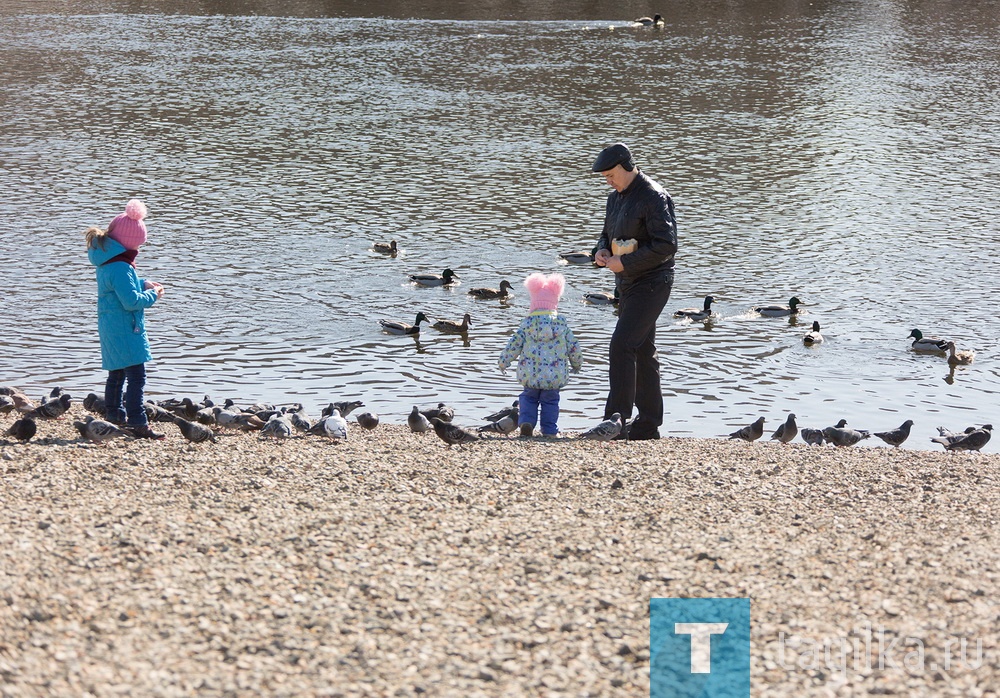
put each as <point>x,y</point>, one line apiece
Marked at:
<point>368,420</point>
<point>186,408</point>
<point>6,404</point>
<point>22,403</point>
<point>897,436</point>
<point>840,424</point>
<point>504,425</point>
<point>194,432</point>
<point>23,429</point>
<point>813,437</point>
<point>787,431</point>
<point>501,413</point>
<point>52,409</point>
<point>606,430</point>
<point>155,413</point>
<point>452,433</point>
<point>332,426</point>
<point>206,416</point>
<point>947,432</point>
<point>751,432</point>
<point>226,417</point>
<point>442,412</point>
<point>248,422</point>
<point>345,408</point>
<point>97,430</point>
<point>970,441</point>
<point>95,403</point>
<point>277,427</point>
<point>417,422</point>
<point>841,436</point>
<point>299,419</point>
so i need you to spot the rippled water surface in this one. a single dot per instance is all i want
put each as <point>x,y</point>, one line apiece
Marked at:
<point>846,155</point>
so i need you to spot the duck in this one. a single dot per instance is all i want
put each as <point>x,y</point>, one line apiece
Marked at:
<point>779,310</point>
<point>601,298</point>
<point>922,343</point>
<point>813,336</point>
<point>490,293</point>
<point>452,327</point>
<point>394,327</point>
<point>654,21</point>
<point>960,358</point>
<point>386,247</point>
<point>697,313</point>
<point>577,257</point>
<point>445,278</point>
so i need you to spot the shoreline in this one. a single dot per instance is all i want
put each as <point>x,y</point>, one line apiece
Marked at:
<point>391,564</point>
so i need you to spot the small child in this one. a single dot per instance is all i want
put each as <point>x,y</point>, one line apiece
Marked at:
<point>547,349</point>
<point>121,298</point>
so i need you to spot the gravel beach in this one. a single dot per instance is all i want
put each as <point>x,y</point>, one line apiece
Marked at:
<point>394,565</point>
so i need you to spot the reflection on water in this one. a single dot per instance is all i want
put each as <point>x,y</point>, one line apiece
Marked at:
<point>836,155</point>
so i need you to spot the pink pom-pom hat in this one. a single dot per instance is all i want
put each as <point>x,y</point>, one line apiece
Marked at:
<point>127,228</point>
<point>545,291</point>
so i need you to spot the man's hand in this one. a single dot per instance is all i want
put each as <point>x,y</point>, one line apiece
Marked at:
<point>614,263</point>
<point>601,257</point>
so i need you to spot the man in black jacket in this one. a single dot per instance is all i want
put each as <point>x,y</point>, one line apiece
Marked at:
<point>638,244</point>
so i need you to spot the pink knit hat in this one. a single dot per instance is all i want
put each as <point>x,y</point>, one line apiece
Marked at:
<point>127,228</point>
<point>544,290</point>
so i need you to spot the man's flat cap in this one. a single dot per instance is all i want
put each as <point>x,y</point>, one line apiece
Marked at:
<point>617,154</point>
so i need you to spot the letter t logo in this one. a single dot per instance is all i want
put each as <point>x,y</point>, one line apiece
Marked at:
<point>701,643</point>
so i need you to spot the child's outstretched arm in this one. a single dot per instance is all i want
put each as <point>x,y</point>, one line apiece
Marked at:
<point>513,349</point>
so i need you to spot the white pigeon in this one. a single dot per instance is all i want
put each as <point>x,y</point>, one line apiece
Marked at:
<point>332,426</point>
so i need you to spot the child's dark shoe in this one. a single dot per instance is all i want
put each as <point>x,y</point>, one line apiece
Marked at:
<point>144,432</point>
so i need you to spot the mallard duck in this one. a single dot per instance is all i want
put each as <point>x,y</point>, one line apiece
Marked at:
<point>779,310</point>
<point>960,358</point>
<point>601,298</point>
<point>654,21</point>
<point>697,313</point>
<point>386,247</point>
<point>443,279</point>
<point>922,343</point>
<point>813,336</point>
<point>394,327</point>
<point>489,293</point>
<point>453,327</point>
<point>577,257</point>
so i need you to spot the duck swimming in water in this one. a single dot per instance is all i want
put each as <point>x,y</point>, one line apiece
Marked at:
<point>654,21</point>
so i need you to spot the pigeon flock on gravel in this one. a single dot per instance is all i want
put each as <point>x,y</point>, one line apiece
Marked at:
<point>202,421</point>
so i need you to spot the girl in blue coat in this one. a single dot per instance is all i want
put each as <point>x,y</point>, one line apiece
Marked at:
<point>121,299</point>
<point>547,349</point>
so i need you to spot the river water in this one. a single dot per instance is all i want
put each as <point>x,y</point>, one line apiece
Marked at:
<point>842,152</point>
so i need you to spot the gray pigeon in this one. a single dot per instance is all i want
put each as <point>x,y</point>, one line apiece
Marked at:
<point>970,441</point>
<point>155,413</point>
<point>6,404</point>
<point>947,432</point>
<point>23,429</point>
<point>332,426</point>
<point>452,434</point>
<point>751,432</point>
<point>787,431</point>
<point>299,420</point>
<point>97,430</point>
<point>345,408</point>
<point>194,432</point>
<point>813,437</point>
<point>841,436</point>
<point>95,403</point>
<point>897,436</point>
<point>52,409</point>
<point>501,413</point>
<point>505,425</point>
<point>417,422</point>
<point>442,412</point>
<point>368,420</point>
<point>277,427</point>
<point>606,430</point>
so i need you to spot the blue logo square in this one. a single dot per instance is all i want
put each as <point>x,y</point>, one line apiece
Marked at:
<point>699,648</point>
